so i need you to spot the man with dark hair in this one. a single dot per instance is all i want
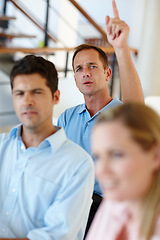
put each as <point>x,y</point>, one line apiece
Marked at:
<point>92,73</point>
<point>46,181</point>
<point>32,64</point>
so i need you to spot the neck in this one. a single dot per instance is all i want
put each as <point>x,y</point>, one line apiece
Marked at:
<point>32,138</point>
<point>96,103</point>
<point>135,208</point>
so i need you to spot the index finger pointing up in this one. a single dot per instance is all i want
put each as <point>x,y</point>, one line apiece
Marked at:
<point>115,9</point>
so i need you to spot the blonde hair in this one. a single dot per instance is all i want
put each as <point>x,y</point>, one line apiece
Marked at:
<point>144,125</point>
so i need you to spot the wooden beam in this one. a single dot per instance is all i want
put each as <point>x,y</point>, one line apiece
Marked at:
<point>15,35</point>
<point>5,18</point>
<point>103,33</point>
<point>47,50</point>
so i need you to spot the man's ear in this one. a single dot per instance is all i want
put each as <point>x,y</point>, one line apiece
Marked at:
<point>108,74</point>
<point>56,96</point>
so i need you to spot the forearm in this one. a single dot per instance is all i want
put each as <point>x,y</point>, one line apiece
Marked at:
<point>131,88</point>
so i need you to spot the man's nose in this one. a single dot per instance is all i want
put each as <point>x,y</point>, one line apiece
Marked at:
<point>86,72</point>
<point>28,99</point>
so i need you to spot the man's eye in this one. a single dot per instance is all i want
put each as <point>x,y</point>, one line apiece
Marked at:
<point>78,69</point>
<point>92,66</point>
<point>19,93</point>
<point>37,92</point>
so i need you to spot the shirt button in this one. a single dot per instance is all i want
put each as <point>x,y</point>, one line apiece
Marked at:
<point>20,166</point>
<point>3,229</point>
<point>13,189</point>
<point>7,213</point>
<point>22,147</point>
<point>88,123</point>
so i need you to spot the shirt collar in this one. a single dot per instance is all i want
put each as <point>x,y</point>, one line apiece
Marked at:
<point>82,108</point>
<point>55,140</point>
<point>110,104</point>
<point>15,131</point>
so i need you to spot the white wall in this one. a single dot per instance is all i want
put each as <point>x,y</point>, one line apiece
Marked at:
<point>66,32</point>
<point>149,64</point>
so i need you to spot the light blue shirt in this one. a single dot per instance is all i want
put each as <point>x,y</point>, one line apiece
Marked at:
<point>45,192</point>
<point>78,125</point>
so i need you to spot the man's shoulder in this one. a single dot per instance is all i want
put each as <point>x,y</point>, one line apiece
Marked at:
<point>4,136</point>
<point>116,102</point>
<point>75,109</point>
<point>70,114</point>
<point>8,135</point>
<point>74,158</point>
<point>66,148</point>
<point>76,151</point>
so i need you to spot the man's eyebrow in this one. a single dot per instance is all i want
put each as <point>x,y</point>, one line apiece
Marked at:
<point>18,90</point>
<point>31,90</point>
<point>37,89</point>
<point>89,63</point>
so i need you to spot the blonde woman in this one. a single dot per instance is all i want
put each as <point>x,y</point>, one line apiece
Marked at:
<point>126,146</point>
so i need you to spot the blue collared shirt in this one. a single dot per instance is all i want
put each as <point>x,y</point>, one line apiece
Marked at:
<point>45,192</point>
<point>78,125</point>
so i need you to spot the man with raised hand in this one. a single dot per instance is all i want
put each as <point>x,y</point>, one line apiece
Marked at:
<point>92,73</point>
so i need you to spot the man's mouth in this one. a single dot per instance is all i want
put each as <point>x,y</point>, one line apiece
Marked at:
<point>29,113</point>
<point>87,82</point>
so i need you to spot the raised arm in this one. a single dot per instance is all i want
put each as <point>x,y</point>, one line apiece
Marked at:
<point>117,34</point>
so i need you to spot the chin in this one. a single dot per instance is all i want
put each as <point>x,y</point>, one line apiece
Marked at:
<point>113,197</point>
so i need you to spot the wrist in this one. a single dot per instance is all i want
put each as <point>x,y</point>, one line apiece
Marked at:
<point>121,51</point>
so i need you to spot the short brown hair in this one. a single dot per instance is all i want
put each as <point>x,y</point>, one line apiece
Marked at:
<point>102,54</point>
<point>34,64</point>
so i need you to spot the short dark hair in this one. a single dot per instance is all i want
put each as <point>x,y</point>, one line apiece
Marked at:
<point>34,64</point>
<point>85,46</point>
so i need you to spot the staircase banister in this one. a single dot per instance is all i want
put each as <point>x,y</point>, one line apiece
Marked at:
<point>48,50</point>
<point>85,14</point>
<point>34,20</point>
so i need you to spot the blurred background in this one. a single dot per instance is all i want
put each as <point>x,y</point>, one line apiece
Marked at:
<point>53,28</point>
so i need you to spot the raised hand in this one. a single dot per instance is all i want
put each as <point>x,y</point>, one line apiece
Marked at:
<point>117,30</point>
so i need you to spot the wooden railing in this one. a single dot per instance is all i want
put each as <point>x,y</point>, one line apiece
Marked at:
<point>33,19</point>
<point>49,34</point>
<point>85,14</point>
<point>48,50</point>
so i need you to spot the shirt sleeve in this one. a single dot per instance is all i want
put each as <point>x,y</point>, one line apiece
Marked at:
<point>67,216</point>
<point>61,120</point>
